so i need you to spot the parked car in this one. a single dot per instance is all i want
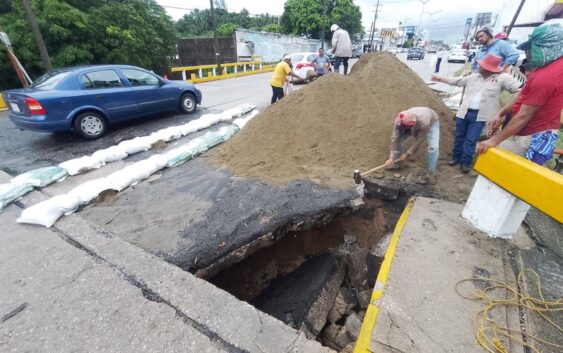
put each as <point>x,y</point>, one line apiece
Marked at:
<point>415,53</point>
<point>432,49</point>
<point>457,55</point>
<point>302,63</point>
<point>86,99</point>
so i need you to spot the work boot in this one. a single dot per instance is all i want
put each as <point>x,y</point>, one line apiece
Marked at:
<point>465,169</point>
<point>453,162</point>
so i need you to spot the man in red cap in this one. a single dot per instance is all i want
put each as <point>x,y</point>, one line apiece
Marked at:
<point>536,110</point>
<point>481,101</point>
<point>422,123</point>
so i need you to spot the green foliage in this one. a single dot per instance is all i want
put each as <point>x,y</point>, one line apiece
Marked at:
<point>76,32</point>
<point>226,29</point>
<point>198,23</point>
<point>273,28</point>
<point>307,18</point>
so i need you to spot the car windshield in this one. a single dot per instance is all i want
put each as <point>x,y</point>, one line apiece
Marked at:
<point>50,80</point>
<point>414,49</point>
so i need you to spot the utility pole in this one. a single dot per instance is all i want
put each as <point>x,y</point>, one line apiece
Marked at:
<point>323,25</point>
<point>37,35</point>
<point>424,2</point>
<point>215,40</point>
<point>515,17</point>
<point>373,27</point>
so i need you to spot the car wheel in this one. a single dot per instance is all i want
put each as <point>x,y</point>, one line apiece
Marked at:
<point>188,103</point>
<point>90,125</point>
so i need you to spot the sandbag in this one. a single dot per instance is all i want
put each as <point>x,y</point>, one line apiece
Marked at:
<point>136,145</point>
<point>46,213</point>
<point>212,138</point>
<point>10,192</point>
<point>159,161</point>
<point>138,171</point>
<point>228,131</point>
<point>240,122</point>
<point>179,156</point>
<point>168,134</point>
<point>111,154</point>
<point>87,191</point>
<point>41,177</point>
<point>81,165</point>
<point>120,179</point>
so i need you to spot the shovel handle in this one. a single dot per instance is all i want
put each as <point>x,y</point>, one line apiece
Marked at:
<point>378,168</point>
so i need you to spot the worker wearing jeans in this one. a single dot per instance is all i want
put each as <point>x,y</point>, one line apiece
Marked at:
<point>422,123</point>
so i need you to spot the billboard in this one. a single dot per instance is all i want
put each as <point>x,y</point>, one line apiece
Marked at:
<point>410,29</point>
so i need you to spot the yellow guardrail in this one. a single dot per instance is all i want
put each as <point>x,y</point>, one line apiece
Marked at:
<point>2,103</point>
<point>205,73</point>
<point>531,183</point>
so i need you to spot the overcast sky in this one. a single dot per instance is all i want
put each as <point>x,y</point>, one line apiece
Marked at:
<point>447,21</point>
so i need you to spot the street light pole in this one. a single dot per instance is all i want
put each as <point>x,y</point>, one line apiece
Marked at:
<point>37,35</point>
<point>424,2</point>
<point>215,40</point>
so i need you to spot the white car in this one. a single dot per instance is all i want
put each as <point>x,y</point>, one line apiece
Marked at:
<point>302,63</point>
<point>458,55</point>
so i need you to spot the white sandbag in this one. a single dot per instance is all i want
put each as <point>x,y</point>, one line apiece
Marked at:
<point>120,179</point>
<point>210,119</point>
<point>168,134</point>
<point>81,165</point>
<point>138,172</point>
<point>41,177</point>
<point>224,117</point>
<point>188,128</point>
<point>159,161</point>
<point>111,154</point>
<point>240,122</point>
<point>87,191</point>
<point>196,146</point>
<point>212,138</point>
<point>10,192</point>
<point>46,213</point>
<point>136,145</point>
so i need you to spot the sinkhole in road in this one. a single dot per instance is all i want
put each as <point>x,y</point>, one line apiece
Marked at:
<point>318,281</point>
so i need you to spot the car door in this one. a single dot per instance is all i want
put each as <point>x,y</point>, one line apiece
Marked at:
<point>105,89</point>
<point>153,94</point>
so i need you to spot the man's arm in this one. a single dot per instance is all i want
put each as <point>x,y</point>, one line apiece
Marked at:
<point>510,53</point>
<point>453,81</point>
<point>395,138</point>
<point>498,119</point>
<point>418,140</point>
<point>526,113</point>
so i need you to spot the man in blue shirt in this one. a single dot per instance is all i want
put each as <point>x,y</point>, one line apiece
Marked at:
<point>321,63</point>
<point>490,45</point>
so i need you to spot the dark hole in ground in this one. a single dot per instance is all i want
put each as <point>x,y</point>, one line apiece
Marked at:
<point>319,280</point>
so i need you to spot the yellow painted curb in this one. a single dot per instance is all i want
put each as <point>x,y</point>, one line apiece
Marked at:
<point>364,338</point>
<point>2,103</point>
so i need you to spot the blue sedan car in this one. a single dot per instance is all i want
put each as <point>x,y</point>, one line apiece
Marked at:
<point>87,99</point>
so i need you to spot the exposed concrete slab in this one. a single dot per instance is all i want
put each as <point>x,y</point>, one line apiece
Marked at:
<point>419,310</point>
<point>57,298</point>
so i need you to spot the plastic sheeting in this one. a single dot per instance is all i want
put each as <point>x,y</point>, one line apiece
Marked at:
<point>10,192</point>
<point>41,177</point>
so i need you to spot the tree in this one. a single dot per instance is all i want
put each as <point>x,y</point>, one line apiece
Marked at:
<point>273,28</point>
<point>307,17</point>
<point>226,29</point>
<point>89,32</point>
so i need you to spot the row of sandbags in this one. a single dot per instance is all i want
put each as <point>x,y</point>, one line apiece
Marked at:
<point>42,177</point>
<point>46,213</point>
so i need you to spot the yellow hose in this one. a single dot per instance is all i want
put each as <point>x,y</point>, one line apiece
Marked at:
<point>488,332</point>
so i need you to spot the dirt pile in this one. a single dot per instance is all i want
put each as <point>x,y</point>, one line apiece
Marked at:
<point>334,125</point>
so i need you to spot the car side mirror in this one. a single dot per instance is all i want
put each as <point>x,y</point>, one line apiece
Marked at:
<point>161,83</point>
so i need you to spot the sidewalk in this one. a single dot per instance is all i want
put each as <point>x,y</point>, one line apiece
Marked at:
<point>417,308</point>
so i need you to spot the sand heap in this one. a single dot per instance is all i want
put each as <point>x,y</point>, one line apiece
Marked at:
<point>334,125</point>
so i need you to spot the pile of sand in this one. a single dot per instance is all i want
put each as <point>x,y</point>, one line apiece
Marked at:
<point>334,125</point>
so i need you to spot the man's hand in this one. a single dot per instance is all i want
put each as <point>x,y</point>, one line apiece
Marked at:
<point>494,125</point>
<point>389,161</point>
<point>404,157</point>
<point>485,145</point>
<point>435,78</point>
